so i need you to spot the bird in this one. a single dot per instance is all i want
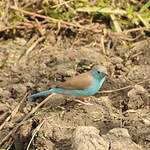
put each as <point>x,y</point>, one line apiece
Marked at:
<point>82,85</point>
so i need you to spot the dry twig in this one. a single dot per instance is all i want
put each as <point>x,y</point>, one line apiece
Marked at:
<point>34,133</point>
<point>14,112</point>
<point>76,25</point>
<point>123,88</point>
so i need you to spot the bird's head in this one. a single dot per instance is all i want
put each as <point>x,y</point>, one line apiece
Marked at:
<point>99,72</point>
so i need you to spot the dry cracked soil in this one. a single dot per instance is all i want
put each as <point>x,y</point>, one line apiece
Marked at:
<point>117,120</point>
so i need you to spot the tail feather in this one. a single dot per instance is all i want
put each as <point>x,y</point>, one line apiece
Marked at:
<point>40,94</point>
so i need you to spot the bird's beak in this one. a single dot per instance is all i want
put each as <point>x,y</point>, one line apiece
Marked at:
<point>106,73</point>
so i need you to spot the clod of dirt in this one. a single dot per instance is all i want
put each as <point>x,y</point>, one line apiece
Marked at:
<point>4,93</point>
<point>138,123</point>
<point>44,144</point>
<point>138,96</point>
<point>17,89</point>
<point>88,138</point>
<point>139,72</point>
<point>116,60</point>
<point>119,139</point>
<point>54,134</point>
<point>56,100</point>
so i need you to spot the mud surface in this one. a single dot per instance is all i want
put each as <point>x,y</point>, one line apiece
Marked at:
<point>123,116</point>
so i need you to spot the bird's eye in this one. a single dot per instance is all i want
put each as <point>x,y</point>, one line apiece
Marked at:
<point>98,72</point>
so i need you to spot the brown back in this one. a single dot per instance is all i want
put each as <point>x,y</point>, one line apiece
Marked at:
<point>81,81</point>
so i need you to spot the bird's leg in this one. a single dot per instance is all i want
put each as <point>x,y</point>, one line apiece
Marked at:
<point>82,100</point>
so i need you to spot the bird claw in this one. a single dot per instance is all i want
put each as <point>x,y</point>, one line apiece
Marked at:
<point>84,103</point>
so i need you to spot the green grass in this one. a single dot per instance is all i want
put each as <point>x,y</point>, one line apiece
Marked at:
<point>121,15</point>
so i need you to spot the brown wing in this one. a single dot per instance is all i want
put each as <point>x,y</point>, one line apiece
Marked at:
<point>81,81</point>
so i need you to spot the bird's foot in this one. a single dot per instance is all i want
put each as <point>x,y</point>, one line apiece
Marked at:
<point>83,102</point>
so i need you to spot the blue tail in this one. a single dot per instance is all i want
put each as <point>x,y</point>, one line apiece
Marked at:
<point>40,94</point>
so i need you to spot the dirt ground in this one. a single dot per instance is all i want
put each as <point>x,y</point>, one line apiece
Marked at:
<point>117,120</point>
